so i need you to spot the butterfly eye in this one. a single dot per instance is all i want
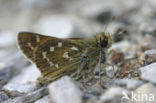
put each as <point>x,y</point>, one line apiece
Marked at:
<point>104,43</point>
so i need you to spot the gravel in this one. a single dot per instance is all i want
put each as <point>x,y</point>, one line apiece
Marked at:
<point>65,89</point>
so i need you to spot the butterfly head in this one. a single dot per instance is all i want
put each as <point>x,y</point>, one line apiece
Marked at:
<point>104,40</point>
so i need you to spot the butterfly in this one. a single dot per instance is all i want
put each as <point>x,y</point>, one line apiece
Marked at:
<point>56,57</point>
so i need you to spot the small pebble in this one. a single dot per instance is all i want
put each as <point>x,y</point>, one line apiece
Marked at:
<point>113,95</point>
<point>65,90</point>
<point>3,97</point>
<point>150,56</point>
<point>24,82</point>
<point>129,83</point>
<point>144,94</point>
<point>45,99</point>
<point>148,72</point>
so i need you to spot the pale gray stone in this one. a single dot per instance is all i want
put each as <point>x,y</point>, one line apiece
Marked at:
<point>144,94</point>
<point>3,97</point>
<point>150,52</point>
<point>148,28</point>
<point>8,69</point>
<point>150,56</point>
<point>129,83</point>
<point>110,71</point>
<point>64,26</point>
<point>30,97</point>
<point>9,38</point>
<point>5,75</point>
<point>12,59</point>
<point>148,72</point>
<point>65,90</point>
<point>113,94</point>
<point>126,47</point>
<point>45,99</point>
<point>54,26</point>
<point>25,82</point>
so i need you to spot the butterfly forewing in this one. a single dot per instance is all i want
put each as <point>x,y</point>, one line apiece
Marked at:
<point>28,42</point>
<point>56,56</point>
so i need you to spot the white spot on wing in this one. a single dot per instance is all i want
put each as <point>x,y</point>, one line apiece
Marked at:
<point>51,64</point>
<point>29,44</point>
<point>56,65</point>
<point>65,55</point>
<point>48,60</point>
<point>44,54</point>
<point>37,38</point>
<point>51,49</point>
<point>59,44</point>
<point>74,48</point>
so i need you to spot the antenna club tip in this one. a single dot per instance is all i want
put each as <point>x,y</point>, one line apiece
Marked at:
<point>112,18</point>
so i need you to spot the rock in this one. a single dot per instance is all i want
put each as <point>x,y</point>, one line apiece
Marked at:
<point>92,100</point>
<point>62,26</point>
<point>8,69</point>
<point>3,97</point>
<point>129,83</point>
<point>148,72</point>
<point>54,26</point>
<point>12,59</point>
<point>5,75</point>
<point>144,94</point>
<point>30,97</point>
<point>127,47</point>
<point>45,99</point>
<point>148,42</point>
<point>150,56</point>
<point>25,82</point>
<point>106,82</point>
<point>110,71</point>
<point>147,28</point>
<point>123,45</point>
<point>113,95</point>
<point>65,90</point>
<point>93,90</point>
<point>9,38</point>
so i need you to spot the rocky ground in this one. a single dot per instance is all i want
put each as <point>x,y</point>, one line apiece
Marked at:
<point>131,77</point>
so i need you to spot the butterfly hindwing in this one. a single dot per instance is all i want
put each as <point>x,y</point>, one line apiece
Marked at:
<point>28,42</point>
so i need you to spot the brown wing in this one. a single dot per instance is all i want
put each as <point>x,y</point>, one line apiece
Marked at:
<point>58,55</point>
<point>54,57</point>
<point>28,42</point>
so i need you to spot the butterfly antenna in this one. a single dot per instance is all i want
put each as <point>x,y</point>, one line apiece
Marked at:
<point>110,20</point>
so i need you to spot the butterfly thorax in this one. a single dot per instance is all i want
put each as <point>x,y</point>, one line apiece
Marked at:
<point>95,49</point>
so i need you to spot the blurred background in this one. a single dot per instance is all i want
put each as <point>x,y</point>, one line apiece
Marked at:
<point>71,18</point>
<point>74,18</point>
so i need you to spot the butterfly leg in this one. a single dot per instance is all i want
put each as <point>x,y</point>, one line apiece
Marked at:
<point>102,60</point>
<point>99,64</point>
<point>81,66</point>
